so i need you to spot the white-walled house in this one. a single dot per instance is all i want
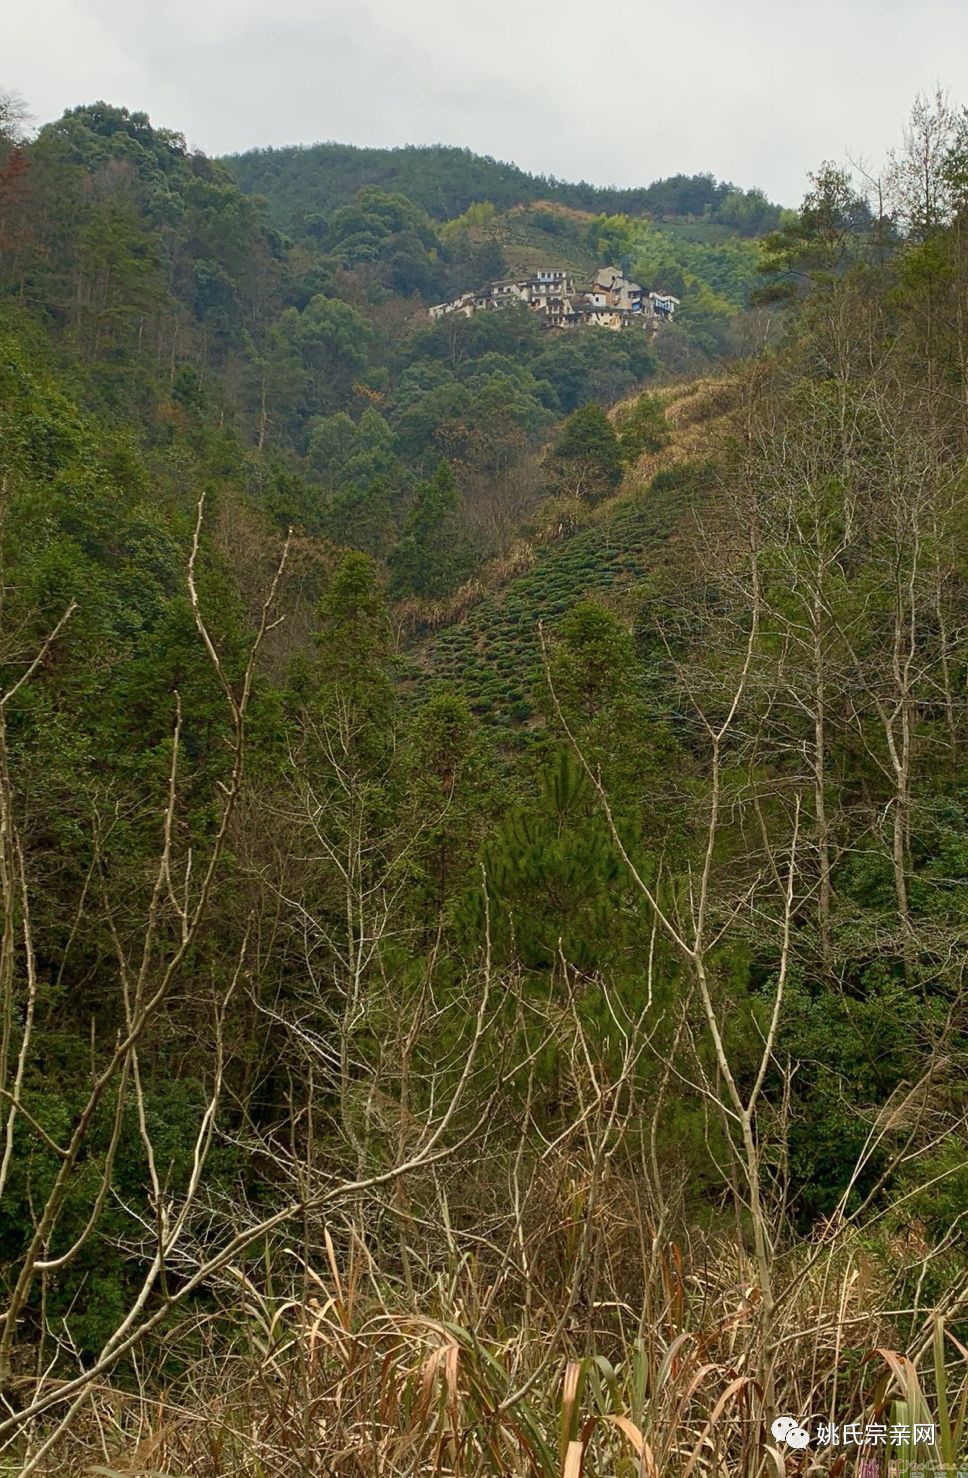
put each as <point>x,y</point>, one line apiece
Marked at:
<point>612,301</point>
<point>663,304</point>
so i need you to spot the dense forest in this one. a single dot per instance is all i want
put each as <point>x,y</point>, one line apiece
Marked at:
<point>483,818</point>
<point>304,182</point>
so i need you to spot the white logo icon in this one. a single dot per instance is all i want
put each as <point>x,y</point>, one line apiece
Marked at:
<point>787,1429</point>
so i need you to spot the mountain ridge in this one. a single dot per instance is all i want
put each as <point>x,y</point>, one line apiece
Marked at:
<point>444,180</point>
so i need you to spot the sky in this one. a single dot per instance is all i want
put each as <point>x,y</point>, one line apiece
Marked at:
<point>755,91</point>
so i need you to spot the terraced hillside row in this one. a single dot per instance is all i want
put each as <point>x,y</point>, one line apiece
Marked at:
<point>492,654</point>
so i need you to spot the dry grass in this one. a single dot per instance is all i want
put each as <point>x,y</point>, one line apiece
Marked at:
<point>698,413</point>
<point>340,1380</point>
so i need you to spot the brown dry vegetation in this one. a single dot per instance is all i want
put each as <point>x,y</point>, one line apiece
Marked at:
<point>698,414</point>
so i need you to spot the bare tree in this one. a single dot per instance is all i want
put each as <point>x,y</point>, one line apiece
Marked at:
<point>918,185</point>
<point>180,901</point>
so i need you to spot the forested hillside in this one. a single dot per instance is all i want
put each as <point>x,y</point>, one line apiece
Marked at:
<point>483,819</point>
<point>304,181</point>
<point>688,235</point>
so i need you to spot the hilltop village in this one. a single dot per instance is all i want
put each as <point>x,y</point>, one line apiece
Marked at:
<point>611,301</point>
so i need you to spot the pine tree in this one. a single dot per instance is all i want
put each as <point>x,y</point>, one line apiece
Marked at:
<point>430,559</point>
<point>587,462</point>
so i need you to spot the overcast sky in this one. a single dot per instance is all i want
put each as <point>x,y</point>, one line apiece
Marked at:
<point>757,91</point>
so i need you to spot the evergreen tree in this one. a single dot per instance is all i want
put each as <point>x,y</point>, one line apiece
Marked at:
<point>353,636</point>
<point>587,460</point>
<point>429,559</point>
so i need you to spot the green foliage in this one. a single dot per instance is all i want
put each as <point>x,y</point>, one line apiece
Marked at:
<point>344,452</point>
<point>361,518</point>
<point>448,182</point>
<point>411,803</point>
<point>612,238</point>
<point>429,560</point>
<point>591,365</point>
<point>587,458</point>
<point>493,657</point>
<point>642,427</point>
<point>832,227</point>
<point>854,1051</point>
<point>353,633</point>
<point>136,220</point>
<point>315,355</point>
<point>389,230</point>
<point>483,415</point>
<point>453,788</point>
<point>555,871</point>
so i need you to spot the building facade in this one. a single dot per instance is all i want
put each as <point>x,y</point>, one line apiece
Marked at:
<point>610,301</point>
